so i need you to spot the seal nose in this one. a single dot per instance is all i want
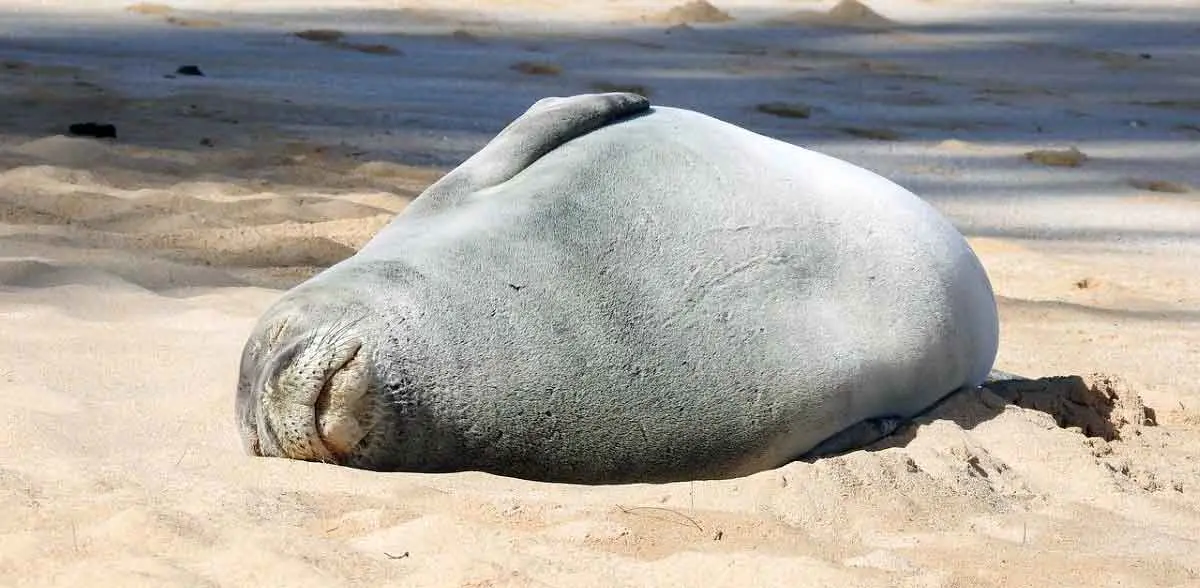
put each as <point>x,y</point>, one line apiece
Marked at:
<point>313,399</point>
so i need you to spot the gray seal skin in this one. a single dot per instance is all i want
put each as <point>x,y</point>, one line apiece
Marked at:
<point>610,292</point>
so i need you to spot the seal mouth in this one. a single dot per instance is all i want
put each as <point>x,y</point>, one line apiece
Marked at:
<point>313,400</point>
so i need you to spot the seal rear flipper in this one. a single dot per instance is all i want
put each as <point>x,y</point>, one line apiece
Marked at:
<point>545,126</point>
<point>856,436</point>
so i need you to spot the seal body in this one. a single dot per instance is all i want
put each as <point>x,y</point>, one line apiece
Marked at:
<point>611,292</point>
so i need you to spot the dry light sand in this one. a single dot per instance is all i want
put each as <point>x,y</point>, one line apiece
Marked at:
<point>1061,137</point>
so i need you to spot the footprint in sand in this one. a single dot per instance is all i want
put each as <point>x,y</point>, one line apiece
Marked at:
<point>534,68</point>
<point>320,35</point>
<point>1176,104</point>
<point>170,16</point>
<point>785,109</point>
<point>1069,157</point>
<point>872,133</point>
<point>150,9</point>
<point>193,23</point>
<point>1165,186</point>
<point>336,38</point>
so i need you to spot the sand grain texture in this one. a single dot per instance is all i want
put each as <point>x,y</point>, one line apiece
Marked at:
<point>845,14</point>
<point>131,272</point>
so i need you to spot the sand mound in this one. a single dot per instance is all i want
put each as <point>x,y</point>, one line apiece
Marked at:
<point>170,15</point>
<point>696,11</point>
<point>66,159</point>
<point>447,17</point>
<point>68,151</point>
<point>1097,406</point>
<point>60,198</point>
<point>956,145</point>
<point>255,250</point>
<point>845,14</point>
<point>150,8</point>
<point>958,467</point>
<point>392,171</point>
<point>110,271</point>
<point>855,13</point>
<point>38,273</point>
<point>81,203</point>
<point>166,212</point>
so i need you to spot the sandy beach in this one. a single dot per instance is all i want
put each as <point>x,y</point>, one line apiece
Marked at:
<point>1060,137</point>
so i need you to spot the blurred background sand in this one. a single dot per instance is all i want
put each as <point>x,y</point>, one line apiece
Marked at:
<point>1060,137</point>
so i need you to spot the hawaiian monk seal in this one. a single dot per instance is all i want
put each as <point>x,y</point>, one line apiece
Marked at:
<point>610,292</point>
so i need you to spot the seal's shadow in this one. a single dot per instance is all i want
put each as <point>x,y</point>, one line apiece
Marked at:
<point>1096,405</point>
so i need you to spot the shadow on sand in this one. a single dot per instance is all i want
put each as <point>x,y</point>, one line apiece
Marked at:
<point>1097,406</point>
<point>946,109</point>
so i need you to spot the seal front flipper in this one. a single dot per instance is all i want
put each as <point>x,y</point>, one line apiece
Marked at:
<point>547,125</point>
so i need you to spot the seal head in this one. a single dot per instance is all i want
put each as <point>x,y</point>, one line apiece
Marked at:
<point>303,390</point>
<point>324,375</point>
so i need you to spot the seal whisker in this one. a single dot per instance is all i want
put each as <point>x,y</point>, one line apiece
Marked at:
<point>335,337</point>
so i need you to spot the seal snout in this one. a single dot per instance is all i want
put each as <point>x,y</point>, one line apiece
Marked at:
<point>313,403</point>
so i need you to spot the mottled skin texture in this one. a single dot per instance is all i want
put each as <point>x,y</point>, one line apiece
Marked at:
<point>611,293</point>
